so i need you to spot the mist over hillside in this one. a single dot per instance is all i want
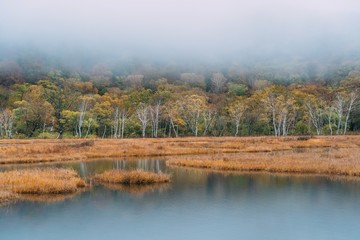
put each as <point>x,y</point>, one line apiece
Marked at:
<point>82,33</point>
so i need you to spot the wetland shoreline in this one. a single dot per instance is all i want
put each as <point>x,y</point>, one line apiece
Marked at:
<point>328,155</point>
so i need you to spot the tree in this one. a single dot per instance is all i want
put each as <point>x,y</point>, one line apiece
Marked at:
<point>190,109</point>
<point>134,81</point>
<point>218,82</point>
<point>193,79</point>
<point>82,110</point>
<point>281,106</point>
<point>339,106</point>
<point>236,111</point>
<point>155,112</point>
<point>316,109</point>
<point>69,121</point>
<point>60,94</point>
<point>143,115</point>
<point>209,116</point>
<point>102,113</point>
<point>33,113</point>
<point>330,115</point>
<point>173,116</point>
<point>350,101</point>
<point>86,102</point>
<point>101,75</point>
<point>6,123</point>
<point>237,89</point>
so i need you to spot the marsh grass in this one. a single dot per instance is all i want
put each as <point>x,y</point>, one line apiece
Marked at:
<point>19,183</point>
<point>135,177</point>
<point>340,162</point>
<point>50,150</point>
<point>282,154</point>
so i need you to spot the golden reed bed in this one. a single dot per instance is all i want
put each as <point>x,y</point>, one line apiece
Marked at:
<point>334,155</point>
<point>136,177</point>
<point>39,150</point>
<point>327,161</point>
<point>31,183</point>
<point>56,184</point>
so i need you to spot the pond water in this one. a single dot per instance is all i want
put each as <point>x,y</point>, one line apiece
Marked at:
<point>195,205</point>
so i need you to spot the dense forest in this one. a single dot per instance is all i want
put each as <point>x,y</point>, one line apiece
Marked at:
<point>44,98</point>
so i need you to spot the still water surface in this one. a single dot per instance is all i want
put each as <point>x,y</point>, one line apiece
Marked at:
<point>196,205</point>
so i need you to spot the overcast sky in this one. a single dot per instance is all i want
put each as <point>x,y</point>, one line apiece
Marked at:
<point>187,27</point>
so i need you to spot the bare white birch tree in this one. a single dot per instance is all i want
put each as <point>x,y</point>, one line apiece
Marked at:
<point>190,109</point>
<point>236,112</point>
<point>172,114</point>
<point>116,123</point>
<point>123,117</point>
<point>6,123</point>
<point>316,113</point>
<point>218,81</point>
<point>82,110</point>
<point>143,115</point>
<point>339,106</point>
<point>330,115</point>
<point>155,112</point>
<point>281,109</point>
<point>352,99</point>
<point>209,117</point>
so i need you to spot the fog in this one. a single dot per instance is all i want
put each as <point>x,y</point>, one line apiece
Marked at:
<point>217,30</point>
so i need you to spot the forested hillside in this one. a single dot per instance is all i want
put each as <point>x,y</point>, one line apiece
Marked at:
<point>44,98</point>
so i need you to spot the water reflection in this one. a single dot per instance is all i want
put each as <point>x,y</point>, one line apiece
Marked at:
<point>138,190</point>
<point>195,205</point>
<point>47,198</point>
<point>90,168</point>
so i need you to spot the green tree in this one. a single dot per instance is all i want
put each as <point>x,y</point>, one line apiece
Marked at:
<point>33,114</point>
<point>61,95</point>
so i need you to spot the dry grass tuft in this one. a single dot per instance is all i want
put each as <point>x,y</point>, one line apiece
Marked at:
<point>138,177</point>
<point>41,181</point>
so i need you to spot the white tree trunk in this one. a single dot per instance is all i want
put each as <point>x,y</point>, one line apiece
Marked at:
<point>143,113</point>
<point>116,123</point>
<point>123,120</point>
<point>155,113</point>
<point>82,110</point>
<point>352,100</point>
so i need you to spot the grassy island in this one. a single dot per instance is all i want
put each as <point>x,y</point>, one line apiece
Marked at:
<point>135,177</point>
<point>49,181</point>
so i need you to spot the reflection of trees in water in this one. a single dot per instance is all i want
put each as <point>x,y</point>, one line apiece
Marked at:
<point>147,165</point>
<point>83,169</point>
<point>260,183</point>
<point>222,185</point>
<point>90,168</point>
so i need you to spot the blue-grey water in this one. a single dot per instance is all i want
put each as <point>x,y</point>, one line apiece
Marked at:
<point>195,205</point>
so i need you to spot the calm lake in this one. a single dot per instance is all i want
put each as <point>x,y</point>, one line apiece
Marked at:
<point>195,205</point>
